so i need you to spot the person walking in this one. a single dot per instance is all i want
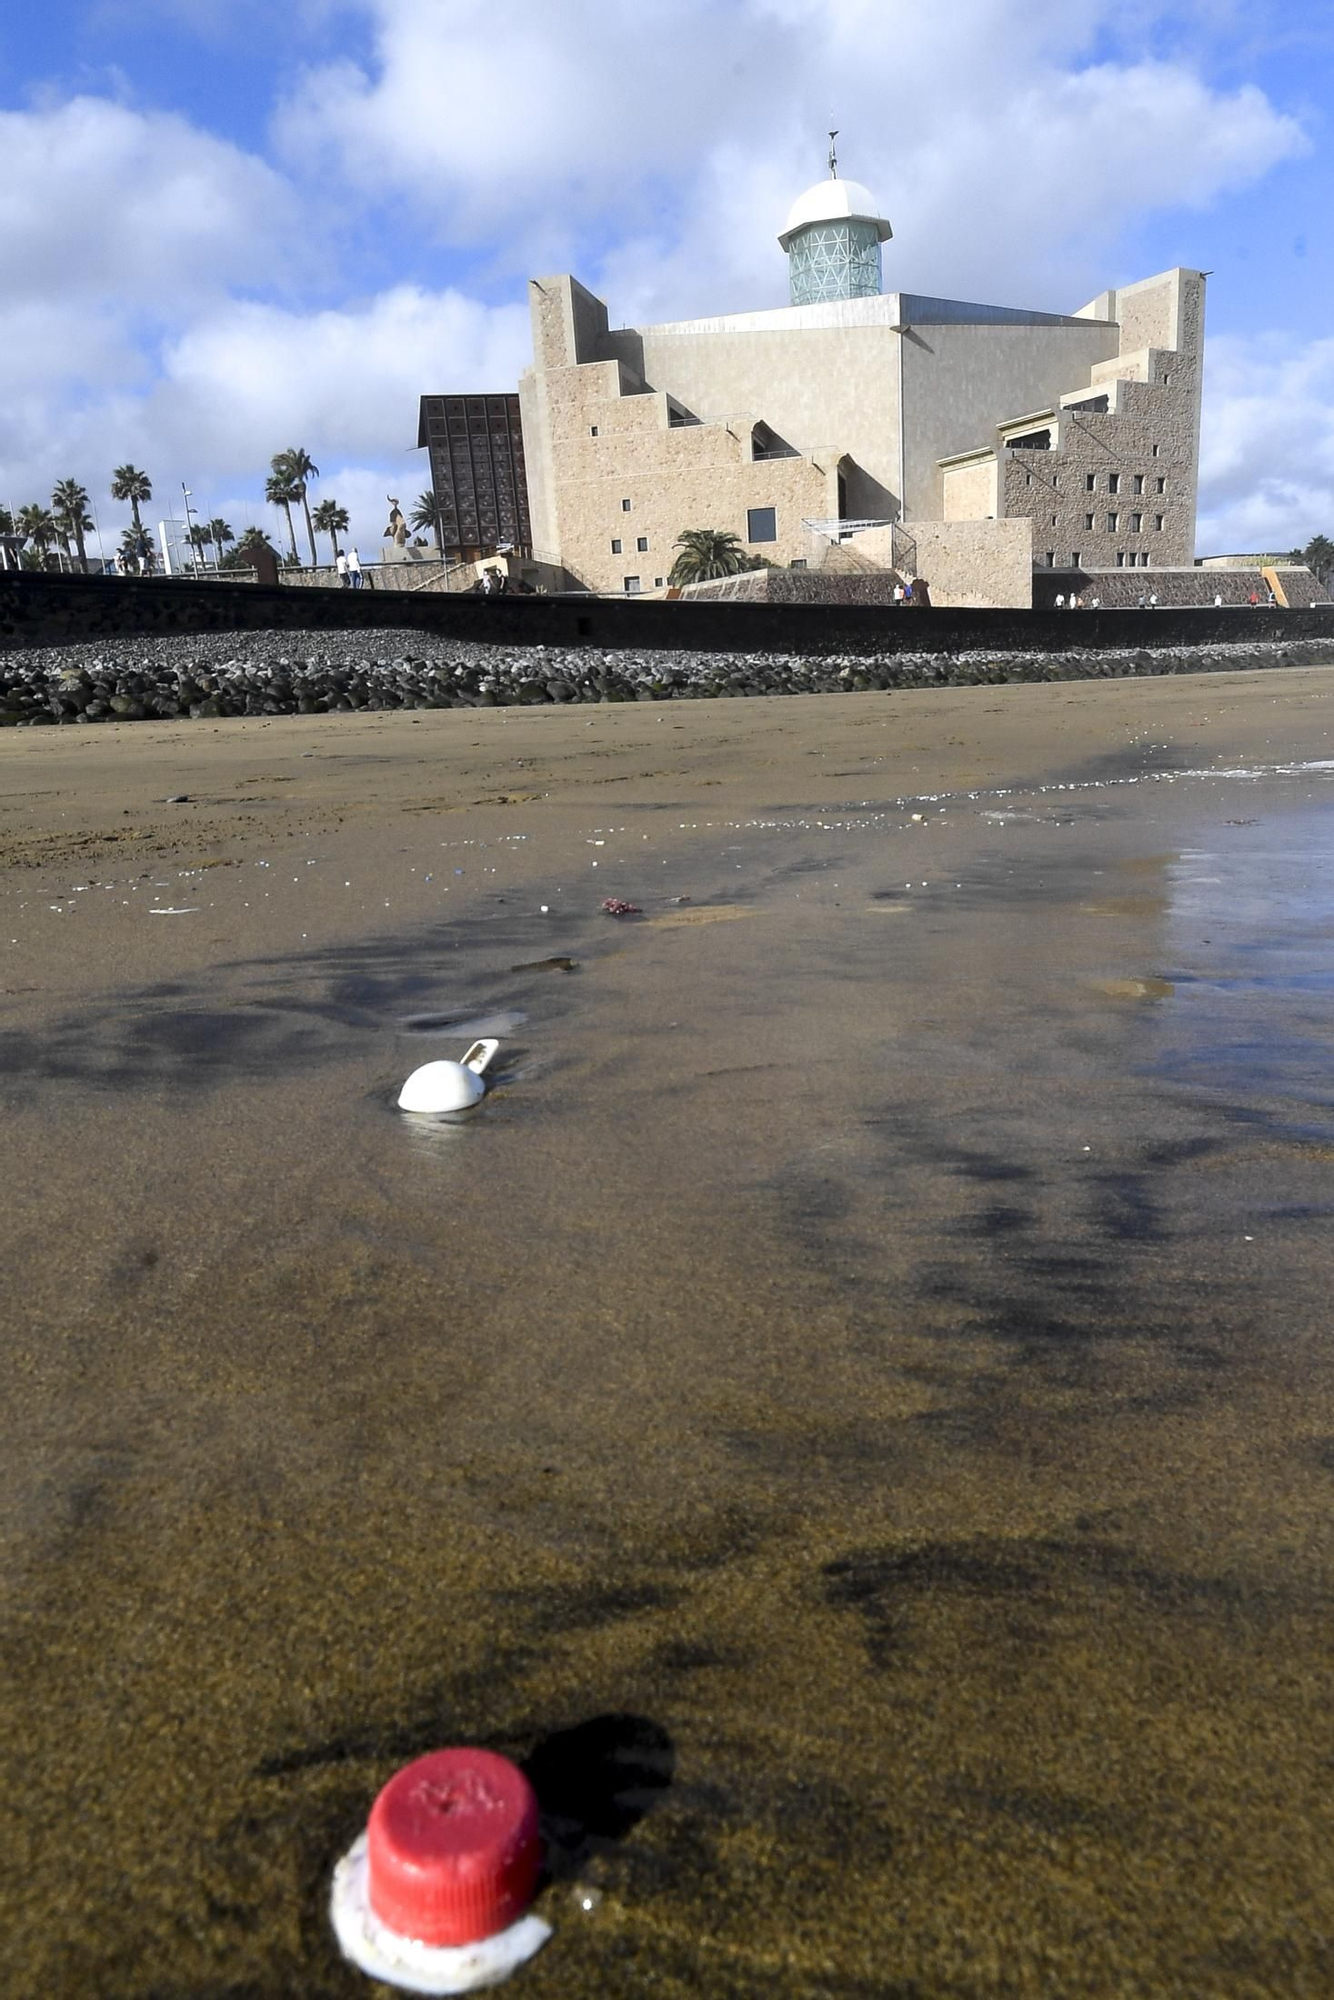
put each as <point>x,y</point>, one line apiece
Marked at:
<point>1218,600</point>
<point>1060,600</point>
<point>1153,600</point>
<point>354,576</point>
<point>340,564</point>
<point>898,593</point>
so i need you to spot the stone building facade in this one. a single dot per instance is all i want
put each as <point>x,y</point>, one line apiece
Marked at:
<point>820,423</point>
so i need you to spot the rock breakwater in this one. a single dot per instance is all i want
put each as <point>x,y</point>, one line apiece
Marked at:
<point>205,676</point>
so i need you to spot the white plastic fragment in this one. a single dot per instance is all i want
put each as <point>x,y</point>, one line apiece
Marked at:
<point>449,1086</point>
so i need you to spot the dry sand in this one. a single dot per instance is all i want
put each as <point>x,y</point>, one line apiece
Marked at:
<point>855,1407</point>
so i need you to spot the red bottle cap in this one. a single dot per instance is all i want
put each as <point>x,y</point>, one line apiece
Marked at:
<point>453,1847</point>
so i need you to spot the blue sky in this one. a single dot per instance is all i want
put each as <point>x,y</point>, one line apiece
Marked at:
<point>233,226</point>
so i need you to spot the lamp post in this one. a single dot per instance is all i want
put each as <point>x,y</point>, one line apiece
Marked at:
<point>197,547</point>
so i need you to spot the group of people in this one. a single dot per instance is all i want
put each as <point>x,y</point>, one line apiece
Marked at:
<point>348,564</point>
<point>1077,603</point>
<point>914,592</point>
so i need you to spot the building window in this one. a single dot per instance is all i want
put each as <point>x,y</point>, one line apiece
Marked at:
<point>1162,486</point>
<point>658,582</point>
<point>1158,521</point>
<point>1056,520</point>
<point>1112,520</point>
<point>1113,482</point>
<point>1090,520</point>
<point>616,546</point>
<point>1139,482</point>
<point>625,506</point>
<point>642,543</point>
<point>1120,559</point>
<point>1028,479</point>
<point>592,430</point>
<point>631,586</point>
<point>1074,560</point>
<point>1136,524</point>
<point>1090,482</point>
<point>761,524</point>
<point>1156,450</point>
<point>1051,559</point>
<point>1166,380</point>
<point>1145,560</point>
<point>797,562</point>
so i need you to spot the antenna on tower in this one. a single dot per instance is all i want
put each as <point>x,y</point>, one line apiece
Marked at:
<point>833,155</point>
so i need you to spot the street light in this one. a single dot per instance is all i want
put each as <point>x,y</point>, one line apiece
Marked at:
<point>197,547</point>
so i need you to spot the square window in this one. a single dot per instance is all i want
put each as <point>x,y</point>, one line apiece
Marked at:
<point>797,562</point>
<point>1139,482</point>
<point>641,543</point>
<point>1136,523</point>
<point>592,430</point>
<point>1113,482</point>
<point>1090,482</point>
<point>1158,521</point>
<point>1112,520</point>
<point>625,506</point>
<point>1090,520</point>
<point>658,582</point>
<point>631,586</point>
<point>761,524</point>
<point>616,546</point>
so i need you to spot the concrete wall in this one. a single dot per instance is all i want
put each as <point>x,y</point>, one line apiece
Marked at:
<point>38,610</point>
<point>970,492</point>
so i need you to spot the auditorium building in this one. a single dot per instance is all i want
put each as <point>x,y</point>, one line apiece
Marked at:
<point>855,428</point>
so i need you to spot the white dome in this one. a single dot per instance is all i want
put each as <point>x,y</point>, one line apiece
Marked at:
<point>834,201</point>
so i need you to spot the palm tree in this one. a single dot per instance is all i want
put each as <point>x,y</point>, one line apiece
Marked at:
<point>38,524</point>
<point>70,503</point>
<point>330,519</point>
<point>281,491</point>
<point>1318,555</point>
<point>297,465</point>
<point>219,534</point>
<point>707,553</point>
<point>426,514</point>
<point>198,539</point>
<point>128,483</point>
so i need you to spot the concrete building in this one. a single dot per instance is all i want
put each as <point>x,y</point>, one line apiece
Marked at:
<point>966,442</point>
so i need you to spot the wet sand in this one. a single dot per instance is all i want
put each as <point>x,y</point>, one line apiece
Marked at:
<point>854,1408</point>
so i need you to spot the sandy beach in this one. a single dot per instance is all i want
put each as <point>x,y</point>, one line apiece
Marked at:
<point>853,1409</point>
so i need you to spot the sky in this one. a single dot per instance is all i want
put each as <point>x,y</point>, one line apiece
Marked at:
<point>232,226</point>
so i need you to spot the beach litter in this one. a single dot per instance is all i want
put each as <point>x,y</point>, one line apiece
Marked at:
<point>434,1896</point>
<point>449,1086</point>
<point>614,907</point>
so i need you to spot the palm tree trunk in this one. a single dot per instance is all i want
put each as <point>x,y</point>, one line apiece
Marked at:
<point>138,524</point>
<point>78,539</point>
<point>291,531</point>
<point>310,532</point>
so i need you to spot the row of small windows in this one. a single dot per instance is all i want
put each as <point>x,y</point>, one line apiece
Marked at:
<point>761,526</point>
<point>632,585</point>
<point>1114,522</point>
<point>1114,482</point>
<point>1125,559</point>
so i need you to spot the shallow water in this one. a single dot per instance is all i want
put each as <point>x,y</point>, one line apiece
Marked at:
<point>855,1406</point>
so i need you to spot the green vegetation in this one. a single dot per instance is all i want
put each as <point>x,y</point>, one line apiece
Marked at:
<point>707,553</point>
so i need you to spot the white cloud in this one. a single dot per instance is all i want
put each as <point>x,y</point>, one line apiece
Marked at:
<point>676,133</point>
<point>1267,453</point>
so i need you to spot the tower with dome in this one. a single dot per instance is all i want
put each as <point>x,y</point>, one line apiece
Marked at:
<point>832,237</point>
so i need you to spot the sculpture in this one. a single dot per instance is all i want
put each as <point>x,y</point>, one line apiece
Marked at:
<point>398,527</point>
